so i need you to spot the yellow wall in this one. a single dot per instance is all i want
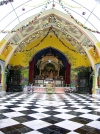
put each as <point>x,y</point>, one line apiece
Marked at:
<point>94,55</point>
<point>6,52</point>
<point>2,42</point>
<point>98,45</point>
<point>75,59</point>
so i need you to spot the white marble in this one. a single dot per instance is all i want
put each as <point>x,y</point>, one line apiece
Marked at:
<point>62,107</point>
<point>90,116</point>
<point>40,109</point>
<point>1,132</point>
<point>7,122</point>
<point>82,110</point>
<point>6,104</point>
<point>3,107</point>
<point>77,106</point>
<point>70,125</point>
<point>23,105</point>
<point>19,109</point>
<point>72,132</point>
<point>36,124</point>
<point>13,114</point>
<point>39,115</point>
<point>50,103</point>
<point>64,116</point>
<point>95,124</point>
<point>62,110</point>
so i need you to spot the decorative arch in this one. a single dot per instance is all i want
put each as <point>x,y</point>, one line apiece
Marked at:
<point>67,66</point>
<point>2,73</point>
<point>17,38</point>
<point>51,48</point>
<point>2,65</point>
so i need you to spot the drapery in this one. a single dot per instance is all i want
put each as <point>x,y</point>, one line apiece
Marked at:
<point>31,71</point>
<point>68,69</point>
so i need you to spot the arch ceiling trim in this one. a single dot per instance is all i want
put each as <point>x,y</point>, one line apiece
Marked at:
<point>75,34</point>
<point>75,59</point>
<point>83,11</point>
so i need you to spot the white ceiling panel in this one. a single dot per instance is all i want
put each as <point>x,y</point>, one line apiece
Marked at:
<point>30,13</point>
<point>97,36</point>
<point>17,3</point>
<point>5,10</point>
<point>97,11</point>
<point>7,20</point>
<point>89,4</point>
<point>2,35</point>
<point>19,10</point>
<point>12,24</point>
<point>95,22</point>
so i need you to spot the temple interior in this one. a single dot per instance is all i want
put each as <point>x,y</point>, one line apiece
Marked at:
<point>49,67</point>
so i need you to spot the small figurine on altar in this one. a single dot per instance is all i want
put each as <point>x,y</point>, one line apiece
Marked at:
<point>53,84</point>
<point>51,74</point>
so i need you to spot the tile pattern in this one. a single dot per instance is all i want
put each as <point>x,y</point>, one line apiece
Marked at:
<point>36,113</point>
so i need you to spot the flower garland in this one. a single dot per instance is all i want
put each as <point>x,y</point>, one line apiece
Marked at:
<point>65,45</point>
<point>29,23</point>
<point>36,44</point>
<point>32,21</point>
<point>79,23</point>
<point>45,38</point>
<point>5,2</point>
<point>30,38</point>
<point>58,23</point>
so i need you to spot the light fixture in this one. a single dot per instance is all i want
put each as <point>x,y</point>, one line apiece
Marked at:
<point>49,61</point>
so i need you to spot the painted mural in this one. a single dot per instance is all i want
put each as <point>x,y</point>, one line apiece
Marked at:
<point>74,78</point>
<point>24,76</point>
<point>97,78</point>
<point>74,74</point>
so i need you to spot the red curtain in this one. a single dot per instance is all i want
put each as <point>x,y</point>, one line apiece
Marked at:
<point>68,67</point>
<point>31,71</point>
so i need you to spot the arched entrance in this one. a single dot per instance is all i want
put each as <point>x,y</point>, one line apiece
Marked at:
<point>49,63</point>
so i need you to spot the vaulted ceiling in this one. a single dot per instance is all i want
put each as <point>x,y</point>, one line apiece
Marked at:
<point>25,21</point>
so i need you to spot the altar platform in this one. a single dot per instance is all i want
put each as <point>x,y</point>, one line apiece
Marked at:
<point>43,89</point>
<point>49,90</point>
<point>54,89</point>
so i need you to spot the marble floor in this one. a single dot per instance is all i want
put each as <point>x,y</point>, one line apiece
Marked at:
<point>35,113</point>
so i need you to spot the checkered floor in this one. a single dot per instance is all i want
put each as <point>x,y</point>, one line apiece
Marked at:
<point>49,114</point>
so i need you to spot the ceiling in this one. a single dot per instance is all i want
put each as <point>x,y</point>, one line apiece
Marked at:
<point>19,10</point>
<point>77,22</point>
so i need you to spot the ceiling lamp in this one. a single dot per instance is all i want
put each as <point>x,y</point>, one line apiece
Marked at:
<point>49,61</point>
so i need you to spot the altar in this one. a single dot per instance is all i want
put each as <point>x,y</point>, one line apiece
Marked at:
<point>44,82</point>
<point>50,68</point>
<point>49,90</point>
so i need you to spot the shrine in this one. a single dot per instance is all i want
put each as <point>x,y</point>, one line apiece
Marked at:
<point>49,67</point>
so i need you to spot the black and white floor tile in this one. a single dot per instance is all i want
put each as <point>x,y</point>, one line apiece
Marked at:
<point>36,113</point>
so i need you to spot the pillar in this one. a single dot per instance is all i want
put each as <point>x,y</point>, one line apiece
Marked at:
<point>2,81</point>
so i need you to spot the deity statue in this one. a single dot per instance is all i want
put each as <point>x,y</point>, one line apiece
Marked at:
<point>51,74</point>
